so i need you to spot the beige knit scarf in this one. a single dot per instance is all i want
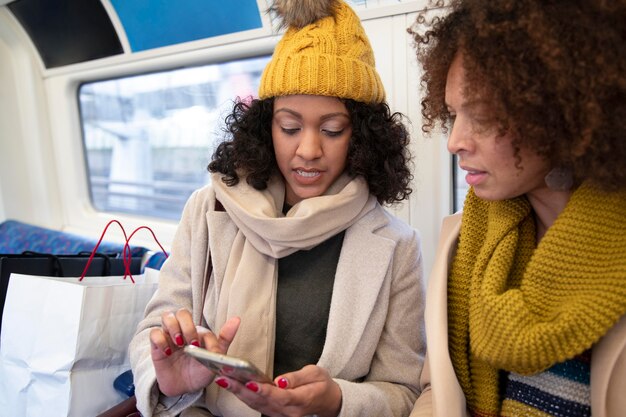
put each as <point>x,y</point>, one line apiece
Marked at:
<point>264,235</point>
<point>518,308</point>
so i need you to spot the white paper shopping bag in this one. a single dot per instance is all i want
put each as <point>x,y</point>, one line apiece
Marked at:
<point>64,341</point>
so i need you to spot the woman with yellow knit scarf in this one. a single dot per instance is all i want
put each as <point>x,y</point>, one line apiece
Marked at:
<point>526,304</point>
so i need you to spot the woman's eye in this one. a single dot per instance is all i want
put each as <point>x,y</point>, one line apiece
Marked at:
<point>451,119</point>
<point>332,133</point>
<point>290,130</point>
<point>483,124</point>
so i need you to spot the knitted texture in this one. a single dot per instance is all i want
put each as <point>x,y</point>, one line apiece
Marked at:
<point>329,57</point>
<point>516,308</point>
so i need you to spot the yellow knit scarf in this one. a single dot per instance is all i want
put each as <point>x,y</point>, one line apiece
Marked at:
<point>518,308</point>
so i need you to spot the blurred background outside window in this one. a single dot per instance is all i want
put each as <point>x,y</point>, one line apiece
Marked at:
<point>149,138</point>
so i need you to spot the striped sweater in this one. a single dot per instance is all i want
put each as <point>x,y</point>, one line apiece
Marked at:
<point>562,390</point>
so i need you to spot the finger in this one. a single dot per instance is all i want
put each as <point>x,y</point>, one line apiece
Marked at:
<point>208,340</point>
<point>272,401</point>
<point>170,325</point>
<point>251,392</point>
<point>220,343</point>
<point>267,399</point>
<point>228,332</point>
<point>306,375</point>
<point>313,389</point>
<point>159,343</point>
<point>187,326</point>
<point>228,384</point>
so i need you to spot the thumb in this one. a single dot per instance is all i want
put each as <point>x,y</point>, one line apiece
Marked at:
<point>228,332</point>
<point>307,375</point>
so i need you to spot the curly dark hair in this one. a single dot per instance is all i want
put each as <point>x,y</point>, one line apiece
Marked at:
<point>555,71</point>
<point>378,148</point>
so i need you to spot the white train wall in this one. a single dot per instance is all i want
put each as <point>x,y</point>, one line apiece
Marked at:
<point>43,177</point>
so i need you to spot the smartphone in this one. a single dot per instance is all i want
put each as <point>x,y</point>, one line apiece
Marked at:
<point>239,369</point>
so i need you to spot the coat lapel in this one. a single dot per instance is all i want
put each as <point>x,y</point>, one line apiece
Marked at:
<point>608,367</point>
<point>363,265</point>
<point>447,396</point>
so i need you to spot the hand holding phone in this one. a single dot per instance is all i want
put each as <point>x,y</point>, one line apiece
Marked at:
<point>229,366</point>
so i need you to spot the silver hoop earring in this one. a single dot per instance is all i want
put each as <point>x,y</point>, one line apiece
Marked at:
<point>559,179</point>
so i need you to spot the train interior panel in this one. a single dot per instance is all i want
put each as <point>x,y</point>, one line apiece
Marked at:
<point>110,109</point>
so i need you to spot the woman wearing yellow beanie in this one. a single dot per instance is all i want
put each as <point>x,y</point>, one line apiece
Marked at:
<point>288,258</point>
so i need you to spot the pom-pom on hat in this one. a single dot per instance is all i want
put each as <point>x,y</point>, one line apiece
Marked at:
<point>324,51</point>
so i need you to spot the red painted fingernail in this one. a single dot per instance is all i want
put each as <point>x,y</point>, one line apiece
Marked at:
<point>195,343</point>
<point>282,383</point>
<point>168,351</point>
<point>179,339</point>
<point>222,382</point>
<point>252,386</point>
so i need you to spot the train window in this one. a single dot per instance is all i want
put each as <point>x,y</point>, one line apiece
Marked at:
<point>460,186</point>
<point>148,138</point>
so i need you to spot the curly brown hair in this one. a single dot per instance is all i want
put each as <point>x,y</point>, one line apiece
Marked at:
<point>555,71</point>
<point>378,148</point>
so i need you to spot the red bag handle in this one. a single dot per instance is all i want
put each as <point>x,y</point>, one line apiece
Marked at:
<point>126,252</point>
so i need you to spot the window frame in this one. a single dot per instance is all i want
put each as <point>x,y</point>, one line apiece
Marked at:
<point>78,213</point>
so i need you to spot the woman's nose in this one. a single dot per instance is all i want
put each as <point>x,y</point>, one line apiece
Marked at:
<point>459,138</point>
<point>310,146</point>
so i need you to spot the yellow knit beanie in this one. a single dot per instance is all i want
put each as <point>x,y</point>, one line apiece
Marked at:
<point>324,51</point>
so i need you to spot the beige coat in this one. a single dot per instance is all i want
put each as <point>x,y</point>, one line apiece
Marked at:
<point>375,324</point>
<point>441,393</point>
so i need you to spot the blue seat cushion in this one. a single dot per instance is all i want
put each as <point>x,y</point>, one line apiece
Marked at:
<point>17,237</point>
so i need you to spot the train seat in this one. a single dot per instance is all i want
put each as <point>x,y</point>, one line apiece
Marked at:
<point>17,237</point>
